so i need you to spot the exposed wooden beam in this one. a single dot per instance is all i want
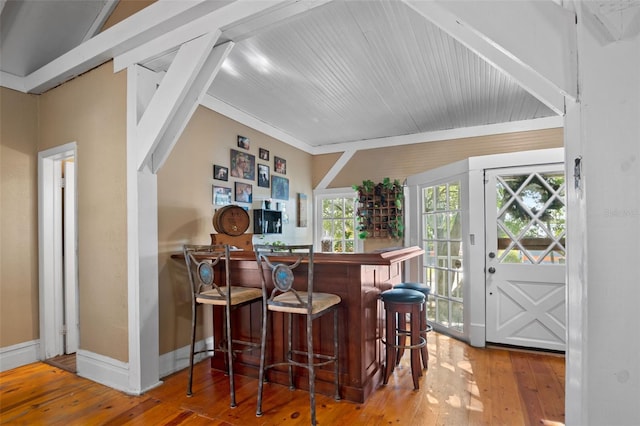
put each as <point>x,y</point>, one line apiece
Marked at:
<point>140,28</point>
<point>335,169</point>
<point>533,42</point>
<point>180,88</point>
<point>105,12</point>
<point>189,105</point>
<point>239,11</point>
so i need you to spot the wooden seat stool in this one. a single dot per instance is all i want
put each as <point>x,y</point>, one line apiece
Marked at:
<point>425,327</point>
<point>398,302</point>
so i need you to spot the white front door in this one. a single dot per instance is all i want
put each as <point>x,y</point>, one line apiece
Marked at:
<point>525,256</point>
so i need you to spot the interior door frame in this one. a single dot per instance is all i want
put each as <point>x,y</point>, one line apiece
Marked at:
<point>50,243</point>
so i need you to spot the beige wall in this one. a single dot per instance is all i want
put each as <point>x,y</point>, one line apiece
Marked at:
<point>91,111</point>
<point>18,218</point>
<point>185,208</point>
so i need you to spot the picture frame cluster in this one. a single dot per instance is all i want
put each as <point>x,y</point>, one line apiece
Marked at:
<point>245,168</point>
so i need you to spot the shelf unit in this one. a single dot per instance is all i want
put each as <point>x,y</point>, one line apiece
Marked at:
<point>380,211</point>
<point>267,221</point>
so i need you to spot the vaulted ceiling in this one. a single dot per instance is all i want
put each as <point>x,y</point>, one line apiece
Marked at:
<point>321,73</point>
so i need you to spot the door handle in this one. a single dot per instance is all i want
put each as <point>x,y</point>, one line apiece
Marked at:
<point>492,270</point>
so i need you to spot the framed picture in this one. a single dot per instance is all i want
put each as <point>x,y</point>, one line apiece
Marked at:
<point>279,165</point>
<point>243,142</point>
<point>263,154</point>
<point>243,165</point>
<point>220,172</point>
<point>302,210</point>
<point>279,188</point>
<point>221,195</point>
<point>263,175</point>
<point>244,192</point>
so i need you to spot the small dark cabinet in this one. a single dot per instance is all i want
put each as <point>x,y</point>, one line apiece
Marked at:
<point>267,221</point>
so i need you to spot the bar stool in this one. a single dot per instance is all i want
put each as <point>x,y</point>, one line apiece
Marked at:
<point>398,302</point>
<point>280,262</point>
<point>209,289</point>
<point>425,327</point>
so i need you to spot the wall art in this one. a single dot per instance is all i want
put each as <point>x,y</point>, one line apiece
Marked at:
<point>279,188</point>
<point>243,165</point>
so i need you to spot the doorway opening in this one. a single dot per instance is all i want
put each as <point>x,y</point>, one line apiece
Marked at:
<point>57,235</point>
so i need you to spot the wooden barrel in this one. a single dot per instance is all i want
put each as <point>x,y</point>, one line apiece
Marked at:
<point>231,220</point>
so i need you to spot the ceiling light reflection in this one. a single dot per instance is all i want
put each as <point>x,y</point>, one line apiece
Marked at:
<point>228,67</point>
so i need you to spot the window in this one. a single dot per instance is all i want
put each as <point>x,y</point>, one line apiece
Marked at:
<point>336,224</point>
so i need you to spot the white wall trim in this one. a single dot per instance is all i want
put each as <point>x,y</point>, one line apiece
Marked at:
<point>104,370</point>
<point>178,359</point>
<point>18,355</point>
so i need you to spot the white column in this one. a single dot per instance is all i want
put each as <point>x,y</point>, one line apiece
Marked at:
<point>603,133</point>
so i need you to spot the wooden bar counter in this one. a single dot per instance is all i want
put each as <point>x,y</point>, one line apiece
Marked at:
<point>358,278</point>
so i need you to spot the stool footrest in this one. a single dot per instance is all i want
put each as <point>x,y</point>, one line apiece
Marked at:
<point>422,343</point>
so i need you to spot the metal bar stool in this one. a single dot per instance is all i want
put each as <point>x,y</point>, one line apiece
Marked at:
<point>209,289</point>
<point>280,262</point>
<point>398,302</point>
<point>425,327</point>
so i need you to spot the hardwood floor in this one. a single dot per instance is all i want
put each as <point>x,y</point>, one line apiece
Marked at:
<point>463,386</point>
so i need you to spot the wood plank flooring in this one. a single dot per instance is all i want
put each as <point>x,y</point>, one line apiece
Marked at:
<point>463,386</point>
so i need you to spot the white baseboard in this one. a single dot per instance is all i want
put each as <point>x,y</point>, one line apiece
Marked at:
<point>104,370</point>
<point>19,355</point>
<point>179,359</point>
<point>99,368</point>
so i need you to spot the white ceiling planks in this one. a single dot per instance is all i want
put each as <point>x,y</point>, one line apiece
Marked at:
<point>352,71</point>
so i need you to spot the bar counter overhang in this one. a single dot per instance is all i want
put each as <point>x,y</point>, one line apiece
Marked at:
<point>358,278</point>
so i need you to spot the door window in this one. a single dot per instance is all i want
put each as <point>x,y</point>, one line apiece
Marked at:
<point>531,225</point>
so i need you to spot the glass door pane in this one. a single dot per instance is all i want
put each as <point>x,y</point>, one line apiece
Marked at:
<point>442,243</point>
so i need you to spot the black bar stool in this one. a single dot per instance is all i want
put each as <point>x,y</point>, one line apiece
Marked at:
<point>398,302</point>
<point>425,327</point>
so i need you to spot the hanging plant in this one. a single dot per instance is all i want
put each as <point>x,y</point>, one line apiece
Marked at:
<point>380,211</point>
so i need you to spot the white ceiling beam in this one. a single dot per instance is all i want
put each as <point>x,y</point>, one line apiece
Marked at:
<point>187,108</point>
<point>176,93</point>
<point>442,135</point>
<point>335,169</point>
<point>142,27</point>
<point>217,19</point>
<point>11,81</point>
<point>533,42</point>
<point>101,18</point>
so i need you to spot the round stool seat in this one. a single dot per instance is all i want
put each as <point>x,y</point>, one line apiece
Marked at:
<point>422,288</point>
<point>402,295</point>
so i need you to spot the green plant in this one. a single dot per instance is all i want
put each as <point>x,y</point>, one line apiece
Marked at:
<point>367,186</point>
<point>386,195</point>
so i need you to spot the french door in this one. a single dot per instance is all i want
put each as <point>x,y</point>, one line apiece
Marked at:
<point>525,256</point>
<point>442,221</point>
